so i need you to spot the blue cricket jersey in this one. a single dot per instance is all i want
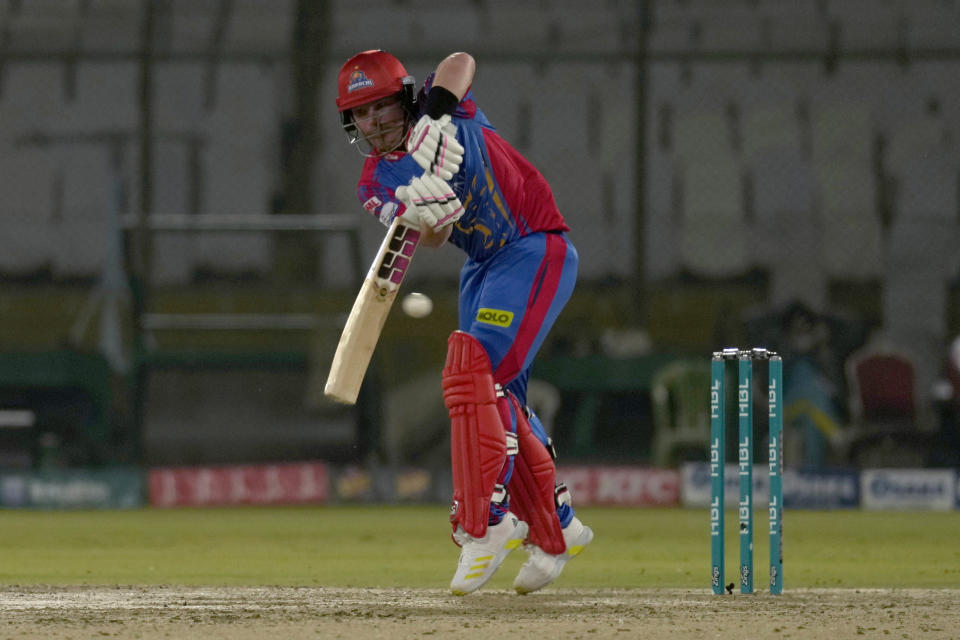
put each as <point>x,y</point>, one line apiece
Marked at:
<point>520,268</point>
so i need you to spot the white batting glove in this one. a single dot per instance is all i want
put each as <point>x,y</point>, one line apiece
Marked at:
<point>433,144</point>
<point>430,201</point>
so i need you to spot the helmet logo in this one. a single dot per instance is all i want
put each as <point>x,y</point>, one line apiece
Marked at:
<point>358,80</point>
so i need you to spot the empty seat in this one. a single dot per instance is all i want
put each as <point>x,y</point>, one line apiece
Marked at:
<point>178,96</point>
<point>792,80</point>
<point>432,21</point>
<point>924,245</point>
<point>770,126</point>
<point>681,417</point>
<point>915,315</point>
<point>517,26</point>
<point>729,27</point>
<point>237,165</point>
<point>926,186</point>
<point>912,139</point>
<point>106,100</point>
<point>660,252</point>
<point>384,25</point>
<point>112,25</point>
<point>793,26</point>
<point>618,126</point>
<point>255,26</point>
<point>191,25</point>
<point>500,93</point>
<point>852,238</point>
<point>902,99</point>
<point>173,183</point>
<point>841,129</point>
<point>236,182</point>
<point>33,97</point>
<point>181,119</point>
<point>783,191</point>
<point>847,186</point>
<point>786,226</point>
<point>665,83</point>
<point>700,134</point>
<point>882,383</point>
<point>27,182</point>
<point>797,273</point>
<point>714,87</point>
<point>43,26</point>
<point>922,166</point>
<point>865,24</point>
<point>559,144</point>
<point>714,233</point>
<point>924,233</point>
<point>246,105</point>
<point>581,27</point>
<point>932,24</point>
<point>83,218</point>
<point>555,131</point>
<point>852,246</point>
<point>671,28</point>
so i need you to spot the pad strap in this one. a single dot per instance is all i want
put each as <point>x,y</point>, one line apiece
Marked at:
<point>478,445</point>
<point>532,485</point>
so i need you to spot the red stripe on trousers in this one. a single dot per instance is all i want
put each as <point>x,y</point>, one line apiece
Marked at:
<point>538,305</point>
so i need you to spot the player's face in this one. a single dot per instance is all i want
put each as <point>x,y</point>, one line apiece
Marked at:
<point>382,123</point>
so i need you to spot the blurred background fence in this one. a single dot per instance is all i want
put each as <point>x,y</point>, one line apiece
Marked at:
<point>181,236</point>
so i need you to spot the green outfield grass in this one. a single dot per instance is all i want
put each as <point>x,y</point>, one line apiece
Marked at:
<point>393,546</point>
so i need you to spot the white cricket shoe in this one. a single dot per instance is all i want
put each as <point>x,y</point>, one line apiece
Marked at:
<point>543,568</point>
<point>481,557</point>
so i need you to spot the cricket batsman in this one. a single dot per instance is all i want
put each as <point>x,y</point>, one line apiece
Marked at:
<point>433,158</point>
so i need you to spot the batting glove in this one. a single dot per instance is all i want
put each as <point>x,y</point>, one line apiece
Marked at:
<point>431,201</point>
<point>433,144</point>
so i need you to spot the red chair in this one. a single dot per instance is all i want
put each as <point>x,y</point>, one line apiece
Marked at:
<point>886,426</point>
<point>882,384</point>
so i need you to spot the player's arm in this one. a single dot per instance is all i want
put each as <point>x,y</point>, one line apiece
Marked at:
<point>434,238</point>
<point>433,142</point>
<point>425,202</point>
<point>454,75</point>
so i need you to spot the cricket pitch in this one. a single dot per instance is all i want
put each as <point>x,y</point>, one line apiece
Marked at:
<point>314,612</point>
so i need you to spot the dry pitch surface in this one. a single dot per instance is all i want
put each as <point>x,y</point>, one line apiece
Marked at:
<point>292,613</point>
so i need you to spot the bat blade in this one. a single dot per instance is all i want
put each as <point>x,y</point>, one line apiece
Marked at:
<point>369,313</point>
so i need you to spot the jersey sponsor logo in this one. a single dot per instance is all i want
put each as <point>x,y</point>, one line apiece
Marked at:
<point>496,317</point>
<point>358,80</point>
<point>372,204</point>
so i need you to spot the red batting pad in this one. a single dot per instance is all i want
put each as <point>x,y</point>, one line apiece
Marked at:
<point>478,447</point>
<point>532,485</point>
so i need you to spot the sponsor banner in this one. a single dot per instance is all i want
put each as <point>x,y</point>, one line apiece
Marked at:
<point>117,488</point>
<point>632,486</point>
<point>834,489</point>
<point>357,484</point>
<point>921,489</point>
<point>413,485</point>
<point>696,484</point>
<point>291,483</point>
<point>354,484</point>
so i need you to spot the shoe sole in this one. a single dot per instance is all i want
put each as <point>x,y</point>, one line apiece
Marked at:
<point>519,535</point>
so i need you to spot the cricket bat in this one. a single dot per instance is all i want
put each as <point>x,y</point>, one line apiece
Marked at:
<point>369,312</point>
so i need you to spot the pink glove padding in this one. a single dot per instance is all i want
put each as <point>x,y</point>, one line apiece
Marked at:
<point>430,201</point>
<point>433,144</point>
